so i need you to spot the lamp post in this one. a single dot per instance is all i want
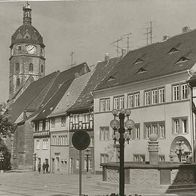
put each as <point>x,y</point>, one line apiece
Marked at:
<point>87,153</point>
<point>121,134</point>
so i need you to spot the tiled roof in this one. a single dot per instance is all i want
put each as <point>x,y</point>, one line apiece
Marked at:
<point>71,94</point>
<point>26,33</point>
<point>176,54</point>
<point>45,92</point>
<point>58,89</point>
<point>30,95</point>
<point>85,100</point>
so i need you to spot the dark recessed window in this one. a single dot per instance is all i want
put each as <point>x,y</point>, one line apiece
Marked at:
<point>139,60</point>
<point>141,70</point>
<point>31,67</point>
<point>42,69</point>
<point>17,67</point>
<point>182,60</point>
<point>173,50</point>
<point>18,82</point>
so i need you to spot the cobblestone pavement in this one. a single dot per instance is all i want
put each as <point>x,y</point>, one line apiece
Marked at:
<point>34,184</point>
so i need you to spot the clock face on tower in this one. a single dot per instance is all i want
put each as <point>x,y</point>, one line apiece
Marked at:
<point>31,49</point>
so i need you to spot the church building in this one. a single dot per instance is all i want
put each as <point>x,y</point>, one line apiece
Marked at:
<point>27,61</point>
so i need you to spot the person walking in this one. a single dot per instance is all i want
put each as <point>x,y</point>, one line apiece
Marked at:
<point>44,167</point>
<point>39,167</point>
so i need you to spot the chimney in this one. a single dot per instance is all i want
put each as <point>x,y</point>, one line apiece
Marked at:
<point>165,37</point>
<point>123,52</point>
<point>186,29</point>
<point>107,57</point>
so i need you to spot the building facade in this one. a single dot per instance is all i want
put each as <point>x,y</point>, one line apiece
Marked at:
<point>159,97</point>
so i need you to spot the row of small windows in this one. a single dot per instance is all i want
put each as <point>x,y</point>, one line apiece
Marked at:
<point>60,140</point>
<point>151,97</point>
<point>17,67</point>
<point>44,142</point>
<point>63,122</point>
<point>179,126</point>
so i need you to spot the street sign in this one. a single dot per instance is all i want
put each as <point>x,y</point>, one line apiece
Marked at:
<point>80,140</point>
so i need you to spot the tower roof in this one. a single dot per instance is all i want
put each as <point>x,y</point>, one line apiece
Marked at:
<point>26,33</point>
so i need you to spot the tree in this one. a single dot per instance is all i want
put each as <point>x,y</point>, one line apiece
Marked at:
<point>6,126</point>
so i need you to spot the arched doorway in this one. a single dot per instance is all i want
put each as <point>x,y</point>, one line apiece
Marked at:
<point>180,150</point>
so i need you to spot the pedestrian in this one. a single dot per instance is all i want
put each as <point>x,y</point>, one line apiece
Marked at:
<point>47,166</point>
<point>43,167</point>
<point>39,167</point>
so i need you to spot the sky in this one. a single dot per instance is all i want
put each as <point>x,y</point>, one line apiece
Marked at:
<point>88,28</point>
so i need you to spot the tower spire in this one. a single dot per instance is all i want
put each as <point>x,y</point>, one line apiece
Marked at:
<point>27,13</point>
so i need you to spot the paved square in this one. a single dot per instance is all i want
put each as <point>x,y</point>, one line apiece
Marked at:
<point>34,184</point>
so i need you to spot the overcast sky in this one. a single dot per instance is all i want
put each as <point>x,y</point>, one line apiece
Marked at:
<point>89,27</point>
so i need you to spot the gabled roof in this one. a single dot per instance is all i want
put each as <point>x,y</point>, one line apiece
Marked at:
<point>157,60</point>
<point>30,95</point>
<point>71,94</point>
<point>45,91</point>
<point>58,89</point>
<point>85,100</point>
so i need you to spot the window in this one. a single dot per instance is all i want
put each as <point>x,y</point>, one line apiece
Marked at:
<point>47,125</point>
<point>161,95</point>
<point>18,81</point>
<point>147,97</point>
<point>52,122</point>
<point>154,127</point>
<point>180,92</point>
<point>137,131</point>
<point>19,48</point>
<point>45,144</point>
<point>133,100</point>
<point>154,96</point>
<point>31,67</point>
<point>104,158</point>
<point>184,91</point>
<point>17,67</point>
<point>37,144</point>
<point>161,158</point>
<point>42,69</point>
<point>54,139</point>
<point>139,157</point>
<point>119,102</point>
<point>104,105</point>
<point>176,92</point>
<point>63,121</point>
<point>180,125</point>
<point>77,163</point>
<point>40,125</point>
<point>104,134</point>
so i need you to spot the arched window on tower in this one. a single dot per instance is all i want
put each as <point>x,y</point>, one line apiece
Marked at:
<point>31,67</point>
<point>17,67</point>
<point>42,69</point>
<point>18,82</point>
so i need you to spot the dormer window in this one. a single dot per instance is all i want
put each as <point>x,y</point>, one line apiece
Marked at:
<point>111,78</point>
<point>173,50</point>
<point>141,70</point>
<point>139,60</point>
<point>182,60</point>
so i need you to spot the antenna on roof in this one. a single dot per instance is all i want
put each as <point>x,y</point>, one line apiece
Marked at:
<point>128,39</point>
<point>72,58</point>
<point>117,45</point>
<point>149,34</point>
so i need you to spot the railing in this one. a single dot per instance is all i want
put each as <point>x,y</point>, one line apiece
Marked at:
<point>81,125</point>
<point>41,134</point>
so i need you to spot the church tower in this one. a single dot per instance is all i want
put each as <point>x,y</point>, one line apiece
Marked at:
<point>27,56</point>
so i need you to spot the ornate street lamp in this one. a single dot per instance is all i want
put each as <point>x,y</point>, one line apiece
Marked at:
<point>121,134</point>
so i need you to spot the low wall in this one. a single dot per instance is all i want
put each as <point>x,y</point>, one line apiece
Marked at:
<point>161,177</point>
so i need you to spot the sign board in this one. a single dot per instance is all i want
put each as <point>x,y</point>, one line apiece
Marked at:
<point>81,140</point>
